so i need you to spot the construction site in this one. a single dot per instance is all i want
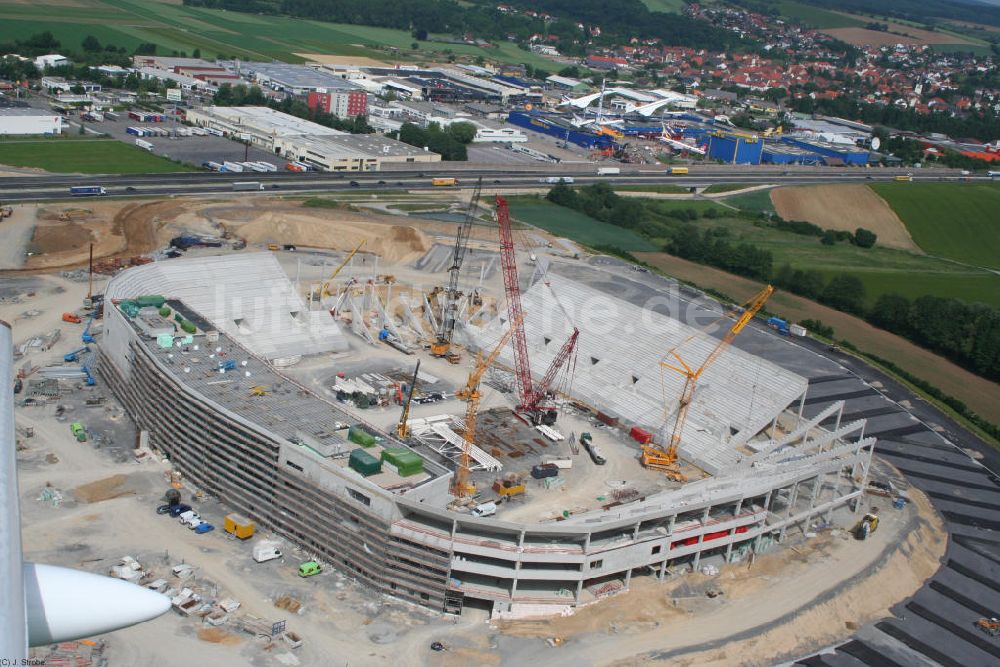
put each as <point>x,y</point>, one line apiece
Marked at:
<point>458,415</point>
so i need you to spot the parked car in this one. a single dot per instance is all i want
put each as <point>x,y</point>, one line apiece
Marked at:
<point>309,568</point>
<point>204,527</point>
<point>164,509</point>
<point>176,510</point>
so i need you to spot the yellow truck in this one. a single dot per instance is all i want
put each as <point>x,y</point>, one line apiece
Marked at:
<point>678,171</point>
<point>907,177</point>
<point>444,181</point>
<point>239,526</point>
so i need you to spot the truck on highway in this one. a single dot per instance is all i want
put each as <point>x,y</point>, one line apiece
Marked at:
<point>557,179</point>
<point>609,171</point>
<point>145,145</point>
<point>247,186</point>
<point>87,191</point>
<point>779,325</point>
<point>444,181</point>
<point>678,171</point>
<point>993,174</point>
<point>903,178</point>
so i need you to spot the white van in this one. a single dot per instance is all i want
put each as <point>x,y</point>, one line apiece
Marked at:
<point>486,509</point>
<point>264,551</point>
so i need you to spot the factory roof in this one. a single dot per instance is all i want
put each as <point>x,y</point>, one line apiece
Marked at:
<point>353,145</point>
<point>266,121</point>
<point>298,76</point>
<point>618,368</point>
<point>25,111</point>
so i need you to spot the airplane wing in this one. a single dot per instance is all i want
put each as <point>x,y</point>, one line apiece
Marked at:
<point>44,604</point>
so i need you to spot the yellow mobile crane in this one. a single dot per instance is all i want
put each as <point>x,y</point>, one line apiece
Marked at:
<point>402,429</point>
<point>325,290</point>
<point>460,485</point>
<point>666,459</point>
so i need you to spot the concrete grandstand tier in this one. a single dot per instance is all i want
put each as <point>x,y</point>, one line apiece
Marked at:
<point>618,369</point>
<point>247,297</point>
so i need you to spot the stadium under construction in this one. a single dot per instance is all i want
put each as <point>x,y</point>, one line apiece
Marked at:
<point>620,442</point>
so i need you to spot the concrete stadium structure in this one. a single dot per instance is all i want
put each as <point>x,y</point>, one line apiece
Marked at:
<point>281,456</point>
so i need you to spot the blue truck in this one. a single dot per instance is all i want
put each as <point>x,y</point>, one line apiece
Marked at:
<point>778,324</point>
<point>87,191</point>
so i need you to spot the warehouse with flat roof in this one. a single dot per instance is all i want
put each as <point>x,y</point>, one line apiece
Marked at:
<point>350,152</point>
<point>260,126</point>
<point>25,120</point>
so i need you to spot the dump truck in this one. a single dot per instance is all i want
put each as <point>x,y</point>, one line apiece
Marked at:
<point>240,526</point>
<point>444,181</point>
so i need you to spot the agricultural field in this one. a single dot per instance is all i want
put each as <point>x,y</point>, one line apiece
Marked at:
<point>958,221</point>
<point>576,226</point>
<point>756,201</point>
<point>84,156</point>
<point>843,207</point>
<point>661,188</point>
<point>174,27</point>
<point>816,16</point>
<point>664,5</point>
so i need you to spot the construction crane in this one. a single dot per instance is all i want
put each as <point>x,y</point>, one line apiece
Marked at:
<point>666,460</point>
<point>460,486</point>
<point>532,397</point>
<point>441,347</point>
<point>325,290</point>
<point>402,429</point>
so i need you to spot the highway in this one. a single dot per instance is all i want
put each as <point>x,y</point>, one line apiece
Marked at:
<point>30,188</point>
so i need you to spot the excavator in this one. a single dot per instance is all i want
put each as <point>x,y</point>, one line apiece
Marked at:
<point>657,458</point>
<point>461,487</point>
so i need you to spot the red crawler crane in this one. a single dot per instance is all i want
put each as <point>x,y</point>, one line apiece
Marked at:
<point>532,397</point>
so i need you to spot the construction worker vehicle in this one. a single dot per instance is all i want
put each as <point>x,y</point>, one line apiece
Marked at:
<point>990,626</point>
<point>6,212</point>
<point>509,487</point>
<point>309,568</point>
<point>71,317</point>
<point>867,525</point>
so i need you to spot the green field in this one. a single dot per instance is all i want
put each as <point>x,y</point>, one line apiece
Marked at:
<point>664,5</point>
<point>758,200</point>
<point>85,156</point>
<point>815,16</point>
<point>576,226</point>
<point>173,27</point>
<point>960,221</point>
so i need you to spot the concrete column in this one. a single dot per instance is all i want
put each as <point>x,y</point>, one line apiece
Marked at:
<point>579,587</point>
<point>663,570</point>
<point>802,405</point>
<point>513,585</point>
<point>635,533</point>
<point>628,577</point>
<point>520,539</point>
<point>586,543</point>
<point>670,525</point>
<point>840,415</point>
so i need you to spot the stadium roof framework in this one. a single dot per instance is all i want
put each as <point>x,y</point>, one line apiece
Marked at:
<point>247,297</point>
<point>618,369</point>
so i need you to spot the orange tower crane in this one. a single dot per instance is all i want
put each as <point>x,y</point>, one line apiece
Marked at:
<point>666,459</point>
<point>460,486</point>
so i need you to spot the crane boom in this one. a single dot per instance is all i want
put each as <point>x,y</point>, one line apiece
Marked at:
<point>402,429</point>
<point>508,263</point>
<point>691,376</point>
<point>470,393</point>
<point>325,290</point>
<point>449,310</point>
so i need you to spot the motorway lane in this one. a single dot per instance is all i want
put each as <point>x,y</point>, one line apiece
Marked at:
<point>39,189</point>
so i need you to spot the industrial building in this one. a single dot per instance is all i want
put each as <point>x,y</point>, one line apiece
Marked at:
<point>350,152</point>
<point>734,148</point>
<point>295,79</point>
<point>344,102</point>
<point>25,120</point>
<point>213,397</point>
<point>260,126</point>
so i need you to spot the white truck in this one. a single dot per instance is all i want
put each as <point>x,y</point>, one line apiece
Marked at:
<point>553,180</point>
<point>486,509</point>
<point>609,171</point>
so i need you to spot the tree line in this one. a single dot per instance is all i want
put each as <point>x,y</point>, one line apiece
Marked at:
<point>449,142</point>
<point>968,334</point>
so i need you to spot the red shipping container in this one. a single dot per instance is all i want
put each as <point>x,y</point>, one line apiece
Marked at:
<point>607,419</point>
<point>642,436</point>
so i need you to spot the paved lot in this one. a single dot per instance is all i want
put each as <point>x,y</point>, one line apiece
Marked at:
<point>935,626</point>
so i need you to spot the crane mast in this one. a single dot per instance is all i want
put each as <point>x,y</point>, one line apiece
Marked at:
<point>325,289</point>
<point>470,394</point>
<point>655,457</point>
<point>530,396</point>
<point>402,429</point>
<point>449,310</point>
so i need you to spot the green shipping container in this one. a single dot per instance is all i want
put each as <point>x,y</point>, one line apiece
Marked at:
<point>130,308</point>
<point>358,435</point>
<point>188,326</point>
<point>164,312</point>
<point>154,300</point>
<point>405,461</point>
<point>364,463</point>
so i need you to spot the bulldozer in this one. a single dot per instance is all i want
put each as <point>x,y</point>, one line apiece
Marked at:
<point>867,525</point>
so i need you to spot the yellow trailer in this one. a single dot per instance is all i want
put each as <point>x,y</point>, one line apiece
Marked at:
<point>444,181</point>
<point>678,171</point>
<point>240,526</point>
